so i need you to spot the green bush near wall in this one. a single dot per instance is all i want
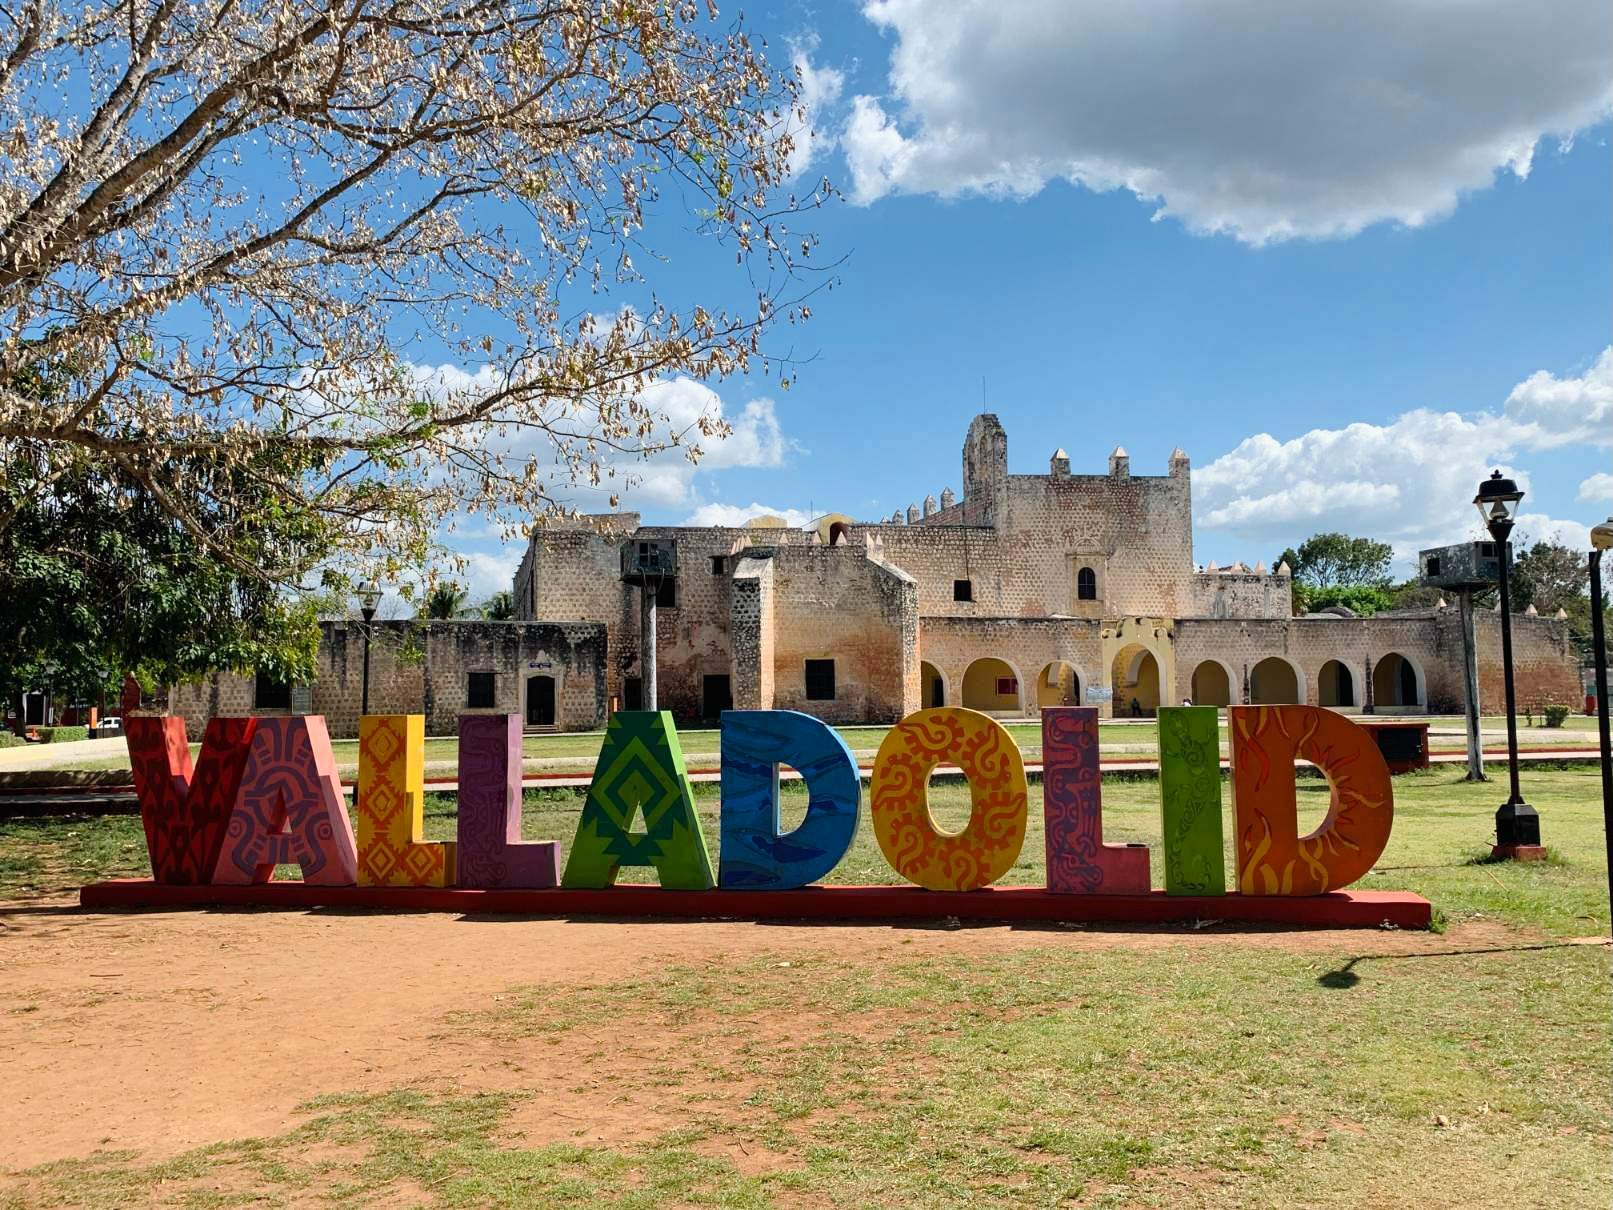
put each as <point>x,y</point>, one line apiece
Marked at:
<point>62,735</point>
<point>10,739</point>
<point>1556,716</point>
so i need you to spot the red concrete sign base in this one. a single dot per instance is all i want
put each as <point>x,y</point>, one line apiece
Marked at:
<point>1006,904</point>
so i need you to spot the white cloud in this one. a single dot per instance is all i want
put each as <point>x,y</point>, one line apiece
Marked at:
<point>486,573</point>
<point>1532,527</point>
<point>667,478</point>
<point>441,382</point>
<point>735,516</point>
<point>1567,410</point>
<point>820,93</point>
<point>1409,482</point>
<point>1597,488</point>
<point>1264,119</point>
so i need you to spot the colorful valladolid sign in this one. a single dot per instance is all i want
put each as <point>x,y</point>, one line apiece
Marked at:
<point>264,792</point>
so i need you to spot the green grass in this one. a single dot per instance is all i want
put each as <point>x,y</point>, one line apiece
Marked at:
<point>1443,829</point>
<point>1576,721</point>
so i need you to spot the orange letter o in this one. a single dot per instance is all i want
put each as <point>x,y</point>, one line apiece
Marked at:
<point>919,851</point>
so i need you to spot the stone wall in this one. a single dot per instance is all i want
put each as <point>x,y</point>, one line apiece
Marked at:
<point>424,668</point>
<point>1545,668</point>
<point>836,603</point>
<point>572,571</point>
<point>1133,532</point>
<point>1231,594</point>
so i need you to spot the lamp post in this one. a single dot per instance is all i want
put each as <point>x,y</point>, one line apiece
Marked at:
<point>1517,824</point>
<point>369,596</point>
<point>1601,540</point>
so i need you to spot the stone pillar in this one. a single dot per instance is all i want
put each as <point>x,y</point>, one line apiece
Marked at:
<point>750,629</point>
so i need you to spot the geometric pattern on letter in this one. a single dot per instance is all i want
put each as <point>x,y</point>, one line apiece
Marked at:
<point>184,812</point>
<point>490,851</point>
<point>1078,862</point>
<point>1273,859</point>
<point>640,772</point>
<point>1190,800</point>
<point>899,805</point>
<point>289,810</point>
<point>753,854</point>
<point>390,806</point>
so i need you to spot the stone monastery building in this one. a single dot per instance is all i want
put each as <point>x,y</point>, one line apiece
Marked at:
<point>1029,591</point>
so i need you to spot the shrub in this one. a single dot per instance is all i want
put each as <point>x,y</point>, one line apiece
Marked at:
<point>1556,715</point>
<point>1363,600</point>
<point>62,735</point>
<point>10,739</point>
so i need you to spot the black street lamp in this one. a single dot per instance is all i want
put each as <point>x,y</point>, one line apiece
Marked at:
<point>369,596</point>
<point>1602,539</point>
<point>1517,824</point>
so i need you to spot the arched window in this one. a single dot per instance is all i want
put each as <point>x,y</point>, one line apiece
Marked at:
<point>1086,585</point>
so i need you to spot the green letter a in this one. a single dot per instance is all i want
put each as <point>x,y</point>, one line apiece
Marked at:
<point>640,770</point>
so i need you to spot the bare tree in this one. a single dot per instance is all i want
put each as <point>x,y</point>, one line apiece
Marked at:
<point>227,226</point>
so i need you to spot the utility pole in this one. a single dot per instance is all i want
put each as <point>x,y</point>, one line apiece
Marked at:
<point>646,642</point>
<point>1470,677</point>
<point>652,565</point>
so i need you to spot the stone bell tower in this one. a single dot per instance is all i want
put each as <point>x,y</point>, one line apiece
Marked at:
<point>985,468</point>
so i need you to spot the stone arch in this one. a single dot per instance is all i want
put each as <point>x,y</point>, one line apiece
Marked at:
<point>1397,682</point>
<point>829,526</point>
<point>932,686</point>
<point>982,680</point>
<point>1335,686</point>
<point>1058,685</point>
<point>1135,676</point>
<point>1276,681</point>
<point>1211,684</point>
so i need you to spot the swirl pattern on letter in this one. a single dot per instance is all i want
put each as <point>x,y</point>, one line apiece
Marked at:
<point>988,847</point>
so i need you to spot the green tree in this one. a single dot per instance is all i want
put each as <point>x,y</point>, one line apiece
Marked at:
<point>97,580</point>
<point>1551,576</point>
<point>1335,560</point>
<point>1363,600</point>
<point>500,607</point>
<point>444,602</point>
<point>1411,594</point>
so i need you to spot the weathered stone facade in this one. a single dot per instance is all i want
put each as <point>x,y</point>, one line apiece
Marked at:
<point>426,668</point>
<point>1030,590</point>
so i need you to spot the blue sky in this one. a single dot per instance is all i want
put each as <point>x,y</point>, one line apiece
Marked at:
<point>1347,264</point>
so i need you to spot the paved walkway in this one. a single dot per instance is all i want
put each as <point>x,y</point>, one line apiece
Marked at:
<point>43,756</point>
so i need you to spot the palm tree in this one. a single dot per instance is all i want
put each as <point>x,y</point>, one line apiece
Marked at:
<point>500,607</point>
<point>445,601</point>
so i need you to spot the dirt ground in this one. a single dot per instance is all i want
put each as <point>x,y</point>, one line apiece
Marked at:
<point>162,1031</point>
